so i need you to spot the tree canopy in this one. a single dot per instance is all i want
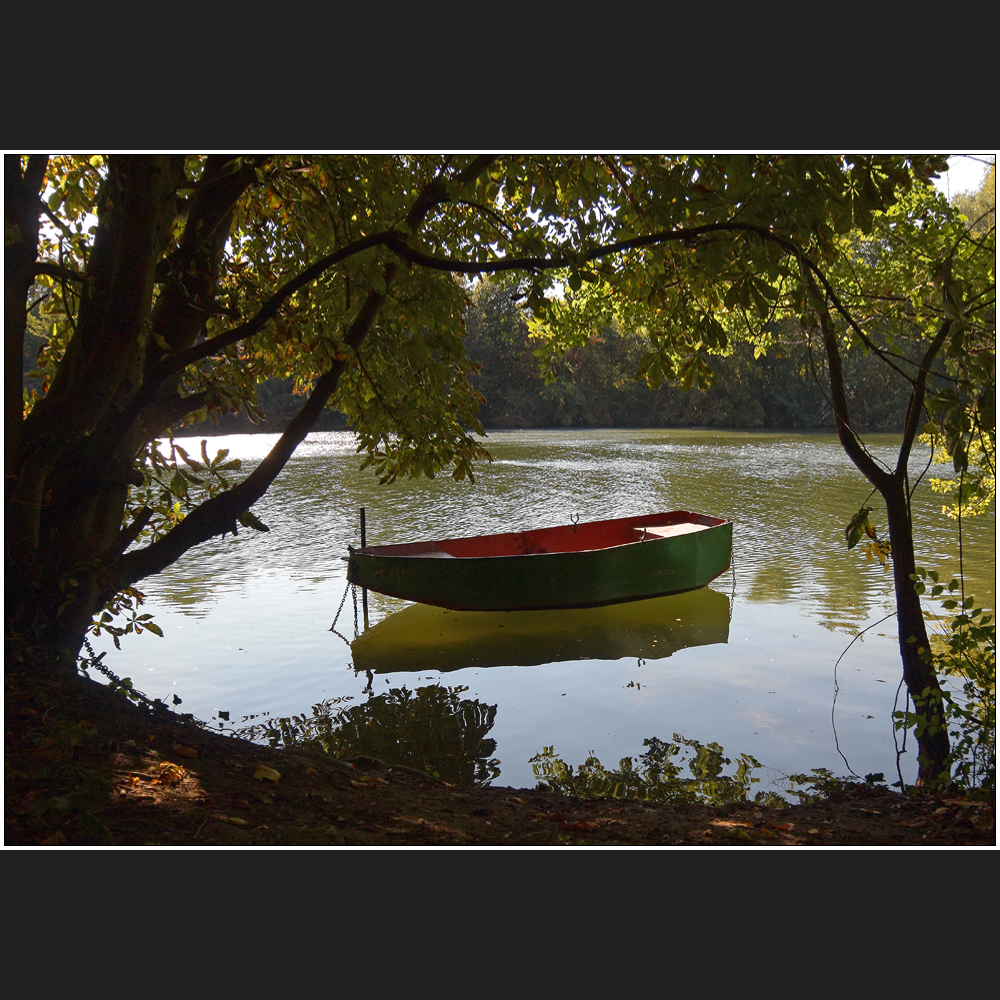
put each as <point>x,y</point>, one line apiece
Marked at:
<point>175,285</point>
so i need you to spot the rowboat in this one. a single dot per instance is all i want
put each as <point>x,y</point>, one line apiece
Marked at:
<point>420,637</point>
<point>580,565</point>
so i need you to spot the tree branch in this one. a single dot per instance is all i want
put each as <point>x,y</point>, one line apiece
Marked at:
<point>21,210</point>
<point>396,242</point>
<point>915,407</point>
<point>129,534</point>
<point>192,269</point>
<point>218,515</point>
<point>175,363</point>
<point>619,176</point>
<point>848,439</point>
<point>58,271</point>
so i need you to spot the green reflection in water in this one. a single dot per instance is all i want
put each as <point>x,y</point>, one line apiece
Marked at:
<point>659,776</point>
<point>772,582</point>
<point>431,729</point>
<point>421,637</point>
<point>682,771</point>
<point>195,593</point>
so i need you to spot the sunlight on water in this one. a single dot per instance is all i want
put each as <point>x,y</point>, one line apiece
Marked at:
<point>247,620</point>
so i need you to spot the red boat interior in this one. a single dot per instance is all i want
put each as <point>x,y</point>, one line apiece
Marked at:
<point>581,537</point>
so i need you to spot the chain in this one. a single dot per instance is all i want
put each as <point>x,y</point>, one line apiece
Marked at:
<point>134,694</point>
<point>95,661</point>
<point>333,627</point>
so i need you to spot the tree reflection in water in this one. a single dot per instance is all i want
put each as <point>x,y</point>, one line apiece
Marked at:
<point>659,775</point>
<point>431,729</point>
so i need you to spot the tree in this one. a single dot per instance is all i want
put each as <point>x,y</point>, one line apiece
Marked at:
<point>177,284</point>
<point>899,276</point>
<point>497,339</point>
<point>980,206</point>
<point>166,309</point>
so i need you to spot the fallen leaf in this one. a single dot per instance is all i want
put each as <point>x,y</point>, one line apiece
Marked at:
<point>235,820</point>
<point>184,751</point>
<point>263,772</point>
<point>430,825</point>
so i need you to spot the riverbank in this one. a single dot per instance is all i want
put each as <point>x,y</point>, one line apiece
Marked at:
<point>84,769</point>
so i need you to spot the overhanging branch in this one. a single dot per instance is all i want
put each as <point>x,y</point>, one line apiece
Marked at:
<point>916,405</point>
<point>217,515</point>
<point>58,271</point>
<point>848,439</point>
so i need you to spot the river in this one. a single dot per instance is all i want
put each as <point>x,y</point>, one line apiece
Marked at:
<point>753,667</point>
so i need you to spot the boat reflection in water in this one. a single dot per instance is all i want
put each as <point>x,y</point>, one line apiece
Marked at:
<point>422,637</point>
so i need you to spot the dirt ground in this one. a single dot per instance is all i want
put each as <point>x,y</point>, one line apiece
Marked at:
<point>83,768</point>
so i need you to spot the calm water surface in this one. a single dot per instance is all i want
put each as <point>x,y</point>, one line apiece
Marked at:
<point>247,620</point>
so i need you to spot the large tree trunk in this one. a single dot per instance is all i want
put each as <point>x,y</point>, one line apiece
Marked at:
<point>914,648</point>
<point>69,480</point>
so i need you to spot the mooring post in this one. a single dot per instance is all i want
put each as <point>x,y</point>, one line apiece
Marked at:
<point>364,590</point>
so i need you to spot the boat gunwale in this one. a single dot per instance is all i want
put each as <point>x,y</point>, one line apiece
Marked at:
<point>433,549</point>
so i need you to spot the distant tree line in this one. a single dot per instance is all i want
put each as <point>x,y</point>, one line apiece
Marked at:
<point>595,385</point>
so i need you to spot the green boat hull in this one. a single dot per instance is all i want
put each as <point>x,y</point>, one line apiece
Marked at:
<point>529,580</point>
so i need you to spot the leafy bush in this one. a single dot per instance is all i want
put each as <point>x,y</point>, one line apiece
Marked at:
<point>964,649</point>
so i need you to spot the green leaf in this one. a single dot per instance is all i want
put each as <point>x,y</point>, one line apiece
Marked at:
<point>857,527</point>
<point>250,520</point>
<point>178,485</point>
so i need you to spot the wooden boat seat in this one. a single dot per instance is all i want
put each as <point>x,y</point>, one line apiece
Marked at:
<point>667,530</point>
